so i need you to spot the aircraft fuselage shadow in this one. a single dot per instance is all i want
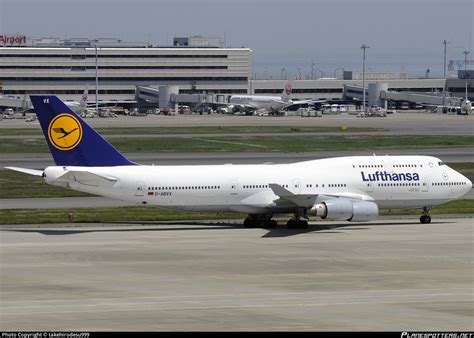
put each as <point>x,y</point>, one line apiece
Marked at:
<point>313,228</point>
<point>280,231</point>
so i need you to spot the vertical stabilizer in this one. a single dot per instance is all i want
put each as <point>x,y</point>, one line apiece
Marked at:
<point>286,94</point>
<point>72,141</point>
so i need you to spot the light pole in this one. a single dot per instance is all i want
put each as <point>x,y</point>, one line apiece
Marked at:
<point>465,68</point>
<point>363,47</point>
<point>444,69</point>
<point>299,73</point>
<point>96,79</point>
<point>465,59</point>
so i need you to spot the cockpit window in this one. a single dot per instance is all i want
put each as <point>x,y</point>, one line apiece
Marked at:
<point>440,163</point>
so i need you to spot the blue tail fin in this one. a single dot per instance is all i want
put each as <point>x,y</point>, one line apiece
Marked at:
<point>72,141</point>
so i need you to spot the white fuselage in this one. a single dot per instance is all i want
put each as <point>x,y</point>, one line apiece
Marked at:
<point>76,107</point>
<point>392,182</point>
<point>258,102</point>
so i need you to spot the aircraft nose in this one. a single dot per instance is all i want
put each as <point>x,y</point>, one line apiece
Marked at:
<point>469,184</point>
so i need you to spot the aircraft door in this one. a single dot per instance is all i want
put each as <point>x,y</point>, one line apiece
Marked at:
<point>140,190</point>
<point>425,186</point>
<point>296,187</point>
<point>387,163</point>
<point>369,187</point>
<point>234,190</point>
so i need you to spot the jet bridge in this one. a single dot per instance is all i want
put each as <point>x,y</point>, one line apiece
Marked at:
<point>378,93</point>
<point>435,99</point>
<point>169,96</point>
<point>15,102</point>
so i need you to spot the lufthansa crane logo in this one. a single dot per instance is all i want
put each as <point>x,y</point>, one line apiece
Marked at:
<point>65,132</point>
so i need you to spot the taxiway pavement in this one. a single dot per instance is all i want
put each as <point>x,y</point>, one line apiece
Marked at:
<point>385,275</point>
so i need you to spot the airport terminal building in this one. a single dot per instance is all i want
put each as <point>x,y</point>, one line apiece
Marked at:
<point>196,65</point>
<point>65,67</point>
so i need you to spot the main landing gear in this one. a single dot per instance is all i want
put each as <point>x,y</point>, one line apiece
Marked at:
<point>425,218</point>
<point>266,221</point>
<point>297,224</point>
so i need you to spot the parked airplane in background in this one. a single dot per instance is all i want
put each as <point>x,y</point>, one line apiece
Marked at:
<point>83,106</point>
<point>466,106</point>
<point>345,188</point>
<point>265,102</point>
<point>79,107</point>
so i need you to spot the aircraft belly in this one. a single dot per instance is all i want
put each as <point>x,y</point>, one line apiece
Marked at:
<point>406,203</point>
<point>216,208</point>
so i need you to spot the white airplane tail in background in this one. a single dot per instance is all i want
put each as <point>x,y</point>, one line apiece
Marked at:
<point>83,101</point>
<point>286,94</point>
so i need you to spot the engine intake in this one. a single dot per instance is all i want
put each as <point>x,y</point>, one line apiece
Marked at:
<point>344,209</point>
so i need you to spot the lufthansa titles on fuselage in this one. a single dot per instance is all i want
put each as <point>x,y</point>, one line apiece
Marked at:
<point>388,177</point>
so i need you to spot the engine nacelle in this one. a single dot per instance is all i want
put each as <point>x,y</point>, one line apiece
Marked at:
<point>364,211</point>
<point>344,209</point>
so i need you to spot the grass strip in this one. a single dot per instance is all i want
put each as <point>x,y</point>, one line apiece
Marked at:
<point>97,215</point>
<point>265,143</point>
<point>203,130</point>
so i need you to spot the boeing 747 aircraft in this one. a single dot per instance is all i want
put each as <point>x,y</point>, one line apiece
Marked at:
<point>345,188</point>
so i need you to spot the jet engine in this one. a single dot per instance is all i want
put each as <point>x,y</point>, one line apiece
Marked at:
<point>344,209</point>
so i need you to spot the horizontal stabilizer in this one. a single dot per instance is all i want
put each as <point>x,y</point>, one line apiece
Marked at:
<point>78,175</point>
<point>27,171</point>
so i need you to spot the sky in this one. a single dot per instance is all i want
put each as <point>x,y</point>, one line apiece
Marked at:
<point>402,35</point>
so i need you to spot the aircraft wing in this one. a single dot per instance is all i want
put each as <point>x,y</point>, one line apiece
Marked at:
<point>27,171</point>
<point>307,102</point>
<point>308,200</point>
<point>302,102</point>
<point>110,103</point>
<point>300,200</point>
<point>243,105</point>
